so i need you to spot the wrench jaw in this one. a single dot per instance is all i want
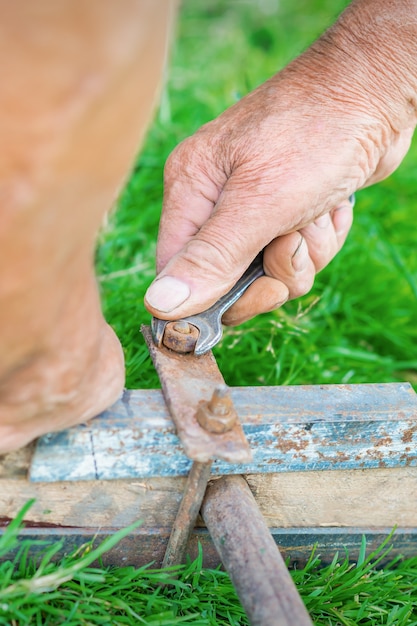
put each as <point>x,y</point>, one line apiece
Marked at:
<point>209,322</point>
<point>210,332</point>
<point>204,345</point>
<point>158,329</point>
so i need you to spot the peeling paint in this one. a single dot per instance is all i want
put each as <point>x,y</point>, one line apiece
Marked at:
<point>374,427</point>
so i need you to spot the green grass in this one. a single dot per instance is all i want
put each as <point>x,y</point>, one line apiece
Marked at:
<point>356,325</point>
<point>78,592</point>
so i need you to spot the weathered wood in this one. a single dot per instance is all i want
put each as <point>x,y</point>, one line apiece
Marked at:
<point>296,428</point>
<point>342,498</point>
<point>250,555</point>
<point>384,497</point>
<point>332,508</point>
<point>16,464</point>
<point>137,438</point>
<point>146,545</point>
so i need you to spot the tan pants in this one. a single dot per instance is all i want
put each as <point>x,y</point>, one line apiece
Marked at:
<point>79,79</point>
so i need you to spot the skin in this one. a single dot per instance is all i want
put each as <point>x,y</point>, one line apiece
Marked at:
<point>273,172</point>
<point>269,172</point>
<point>66,152</point>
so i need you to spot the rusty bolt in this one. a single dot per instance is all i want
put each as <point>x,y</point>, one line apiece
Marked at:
<point>182,327</point>
<point>218,415</point>
<point>180,336</point>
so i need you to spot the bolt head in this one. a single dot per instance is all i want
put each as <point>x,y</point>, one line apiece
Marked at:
<point>221,402</point>
<point>180,337</point>
<point>182,327</point>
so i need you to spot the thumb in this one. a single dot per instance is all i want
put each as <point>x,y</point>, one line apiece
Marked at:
<point>210,263</point>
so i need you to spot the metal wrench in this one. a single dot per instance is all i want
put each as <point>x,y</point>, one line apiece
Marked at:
<point>209,322</point>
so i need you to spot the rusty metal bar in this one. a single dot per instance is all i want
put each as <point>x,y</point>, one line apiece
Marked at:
<point>187,381</point>
<point>250,555</point>
<point>206,421</point>
<point>194,490</point>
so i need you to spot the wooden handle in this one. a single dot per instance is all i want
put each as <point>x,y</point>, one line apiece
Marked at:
<point>250,555</point>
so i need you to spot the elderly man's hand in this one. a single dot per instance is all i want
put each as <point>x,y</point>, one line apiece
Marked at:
<point>275,171</point>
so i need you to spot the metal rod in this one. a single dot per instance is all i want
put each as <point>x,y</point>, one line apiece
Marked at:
<point>250,555</point>
<point>194,490</point>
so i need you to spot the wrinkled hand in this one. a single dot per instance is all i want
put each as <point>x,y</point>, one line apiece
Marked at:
<point>273,172</point>
<point>293,261</point>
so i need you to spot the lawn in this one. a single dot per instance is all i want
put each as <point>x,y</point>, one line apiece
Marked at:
<point>356,325</point>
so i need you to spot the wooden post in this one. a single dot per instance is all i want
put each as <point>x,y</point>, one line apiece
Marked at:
<point>250,555</point>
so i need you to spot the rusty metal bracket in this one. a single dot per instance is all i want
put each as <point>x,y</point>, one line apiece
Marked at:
<point>206,422</point>
<point>188,383</point>
<point>187,513</point>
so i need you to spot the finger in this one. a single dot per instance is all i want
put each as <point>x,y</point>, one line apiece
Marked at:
<point>265,294</point>
<point>208,266</point>
<point>323,240</point>
<point>342,218</point>
<point>295,262</point>
<point>287,260</point>
<point>214,259</point>
<point>327,234</point>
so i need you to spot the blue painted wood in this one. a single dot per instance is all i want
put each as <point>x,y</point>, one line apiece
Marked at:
<point>294,428</point>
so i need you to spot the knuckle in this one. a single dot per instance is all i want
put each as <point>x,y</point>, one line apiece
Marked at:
<point>323,256</point>
<point>302,286</point>
<point>210,258</point>
<point>174,162</point>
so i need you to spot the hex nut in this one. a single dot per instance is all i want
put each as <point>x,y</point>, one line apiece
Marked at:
<point>177,338</point>
<point>218,415</point>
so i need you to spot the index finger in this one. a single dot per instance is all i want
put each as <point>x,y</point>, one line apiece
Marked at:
<point>190,196</point>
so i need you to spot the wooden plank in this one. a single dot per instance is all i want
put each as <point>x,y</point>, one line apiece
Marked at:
<point>15,464</point>
<point>299,506</point>
<point>379,497</point>
<point>290,429</point>
<point>295,544</point>
<point>341,498</point>
<point>333,508</point>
